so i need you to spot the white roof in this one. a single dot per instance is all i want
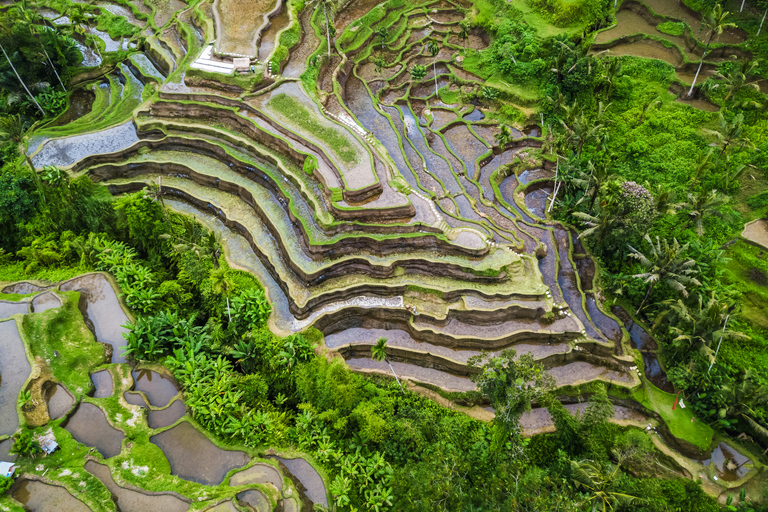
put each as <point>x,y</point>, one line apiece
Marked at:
<point>7,469</point>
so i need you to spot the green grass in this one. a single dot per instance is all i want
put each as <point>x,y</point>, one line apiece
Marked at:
<point>63,329</point>
<point>680,421</point>
<point>292,109</point>
<point>15,272</point>
<point>673,28</point>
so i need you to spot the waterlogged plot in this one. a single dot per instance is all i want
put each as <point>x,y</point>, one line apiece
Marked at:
<point>239,24</point>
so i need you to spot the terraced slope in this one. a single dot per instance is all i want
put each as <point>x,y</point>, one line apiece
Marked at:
<point>366,204</point>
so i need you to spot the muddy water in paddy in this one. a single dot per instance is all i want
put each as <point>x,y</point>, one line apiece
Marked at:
<point>537,201</point>
<point>89,426</point>
<point>534,174</point>
<point>158,388</point>
<point>418,373</point>
<point>67,151</point>
<point>60,401</point>
<point>729,463</point>
<point>14,370</point>
<point>129,500</point>
<point>80,103</point>
<point>5,451</point>
<point>8,308</point>
<point>675,9</point>
<point>310,479</point>
<point>101,307</point>
<point>607,325</point>
<point>44,302</point>
<point>39,497</point>
<point>254,499</point>
<point>649,49</point>
<point>194,457</point>
<point>258,474</point>
<point>135,399</point>
<point>507,189</point>
<point>24,287</point>
<point>631,23</point>
<point>168,416</point>
<point>297,60</point>
<point>269,36</point>
<point>103,382</point>
<point>146,66</point>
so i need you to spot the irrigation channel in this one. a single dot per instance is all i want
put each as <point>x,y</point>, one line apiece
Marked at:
<point>366,202</point>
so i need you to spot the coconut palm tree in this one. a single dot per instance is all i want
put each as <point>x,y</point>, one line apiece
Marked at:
<point>701,205</point>
<point>665,262</point>
<point>702,165</point>
<point>503,138</point>
<point>729,134</point>
<point>737,79</point>
<point>647,105</point>
<point>716,23</point>
<point>418,72</point>
<point>379,353</point>
<point>12,130</point>
<point>612,73</point>
<point>433,49</point>
<point>329,6</point>
<point>222,284</point>
<point>599,482</point>
<point>697,325</point>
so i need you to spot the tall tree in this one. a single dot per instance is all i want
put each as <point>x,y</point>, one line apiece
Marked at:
<point>702,204</point>
<point>716,23</point>
<point>379,353</point>
<point>600,481</point>
<point>511,384</point>
<point>433,49</point>
<point>665,262</point>
<point>222,284</point>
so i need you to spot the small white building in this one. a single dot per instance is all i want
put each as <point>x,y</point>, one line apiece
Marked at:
<point>7,469</point>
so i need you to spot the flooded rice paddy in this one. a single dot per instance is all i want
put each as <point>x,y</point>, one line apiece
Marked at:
<point>36,496</point>
<point>194,457</point>
<point>14,371</point>
<point>89,426</point>
<point>158,388</point>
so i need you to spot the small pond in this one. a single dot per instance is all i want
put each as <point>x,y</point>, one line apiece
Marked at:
<point>14,369</point>
<point>60,401</point>
<point>258,474</point>
<point>729,464</point>
<point>8,308</point>
<point>158,388</point>
<point>168,416</point>
<point>103,382</point>
<point>89,426</point>
<point>99,304</point>
<point>129,500</point>
<point>308,477</point>
<point>45,301</point>
<point>39,497</point>
<point>194,457</point>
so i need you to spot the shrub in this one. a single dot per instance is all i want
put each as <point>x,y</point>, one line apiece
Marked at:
<point>673,28</point>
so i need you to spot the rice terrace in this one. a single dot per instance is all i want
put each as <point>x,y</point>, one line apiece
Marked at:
<point>400,255</point>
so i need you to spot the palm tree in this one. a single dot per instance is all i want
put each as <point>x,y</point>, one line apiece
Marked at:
<point>379,353</point>
<point>665,262</point>
<point>464,32</point>
<point>647,105</point>
<point>701,205</point>
<point>716,24</point>
<point>729,134</point>
<point>697,326</point>
<point>12,130</point>
<point>598,176</point>
<point>21,81</point>
<point>328,7</point>
<point>31,18</point>
<point>418,72</point>
<point>433,49</point>
<point>383,34</point>
<point>761,23</point>
<point>503,138</point>
<point>599,482</point>
<point>702,166</point>
<point>737,79</point>
<point>611,75</point>
<point>222,284</point>
<point>581,131</point>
